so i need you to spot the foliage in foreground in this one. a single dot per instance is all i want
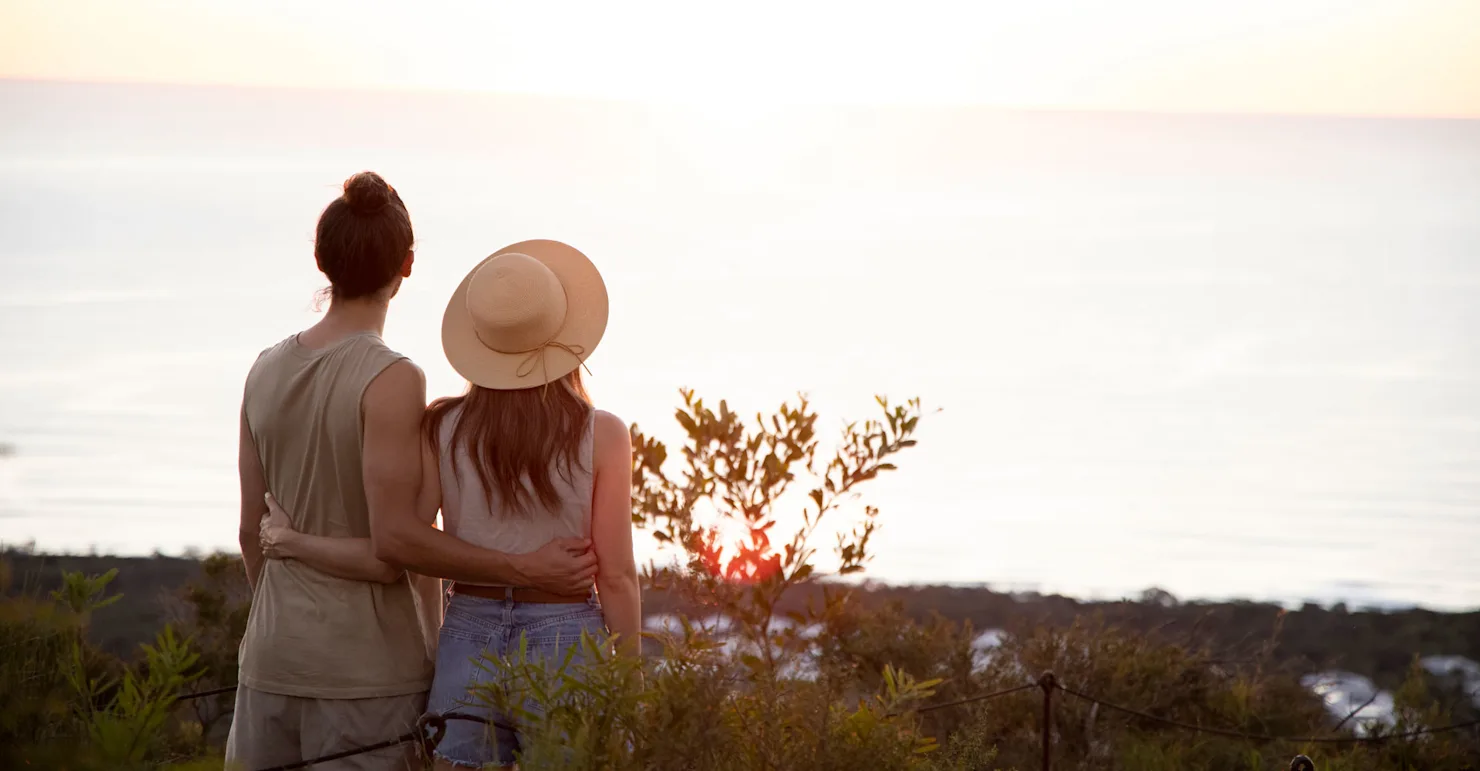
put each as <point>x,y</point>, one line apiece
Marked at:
<point>699,708</point>
<point>741,685</point>
<point>67,705</point>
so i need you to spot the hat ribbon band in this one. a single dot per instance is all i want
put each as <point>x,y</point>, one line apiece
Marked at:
<point>536,357</point>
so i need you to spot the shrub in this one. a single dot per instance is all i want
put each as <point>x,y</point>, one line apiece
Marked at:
<point>68,705</point>
<point>698,710</point>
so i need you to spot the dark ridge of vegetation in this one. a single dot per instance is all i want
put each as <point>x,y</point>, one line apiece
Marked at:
<point>149,586</point>
<point>1373,643</point>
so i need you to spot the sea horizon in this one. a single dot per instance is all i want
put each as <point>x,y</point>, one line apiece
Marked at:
<point>1223,356</point>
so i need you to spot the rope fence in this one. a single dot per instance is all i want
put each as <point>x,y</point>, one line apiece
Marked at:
<point>974,699</point>
<point>203,694</point>
<point>432,726</point>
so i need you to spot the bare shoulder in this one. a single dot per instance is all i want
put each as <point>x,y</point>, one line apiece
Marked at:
<point>398,385</point>
<point>609,426</point>
<point>611,435</point>
<point>400,375</point>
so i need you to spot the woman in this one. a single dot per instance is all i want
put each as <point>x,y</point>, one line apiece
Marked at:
<point>519,460</point>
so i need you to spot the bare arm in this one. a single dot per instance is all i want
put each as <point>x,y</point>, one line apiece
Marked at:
<point>611,533</point>
<point>253,487</point>
<point>393,470</point>
<point>349,558</point>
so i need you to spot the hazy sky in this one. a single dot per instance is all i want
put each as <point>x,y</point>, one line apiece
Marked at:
<point>1409,57</point>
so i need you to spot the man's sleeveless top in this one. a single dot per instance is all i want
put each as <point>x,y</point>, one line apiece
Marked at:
<point>473,516</point>
<point>310,634</point>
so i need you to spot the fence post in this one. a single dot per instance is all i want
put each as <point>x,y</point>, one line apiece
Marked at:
<point>1302,763</point>
<point>1048,683</point>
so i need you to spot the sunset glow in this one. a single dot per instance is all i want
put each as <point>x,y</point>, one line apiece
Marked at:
<point>1385,57</point>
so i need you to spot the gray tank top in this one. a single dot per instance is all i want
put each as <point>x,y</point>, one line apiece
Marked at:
<point>310,634</point>
<point>468,514</point>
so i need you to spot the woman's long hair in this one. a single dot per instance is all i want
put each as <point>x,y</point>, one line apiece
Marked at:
<point>515,439</point>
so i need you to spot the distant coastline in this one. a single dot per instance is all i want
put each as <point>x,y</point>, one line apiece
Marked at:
<point>1026,592</point>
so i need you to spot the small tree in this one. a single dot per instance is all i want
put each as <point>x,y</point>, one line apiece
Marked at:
<point>737,474</point>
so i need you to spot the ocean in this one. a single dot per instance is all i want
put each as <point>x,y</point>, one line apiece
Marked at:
<point>1226,356</point>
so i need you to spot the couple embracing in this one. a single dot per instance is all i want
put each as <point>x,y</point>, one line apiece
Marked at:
<point>344,468</point>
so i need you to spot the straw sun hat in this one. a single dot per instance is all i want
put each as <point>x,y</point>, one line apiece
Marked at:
<point>527,315</point>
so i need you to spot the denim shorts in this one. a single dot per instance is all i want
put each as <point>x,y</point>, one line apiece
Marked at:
<point>475,627</point>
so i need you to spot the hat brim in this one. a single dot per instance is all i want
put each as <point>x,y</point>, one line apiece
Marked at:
<point>585,323</point>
